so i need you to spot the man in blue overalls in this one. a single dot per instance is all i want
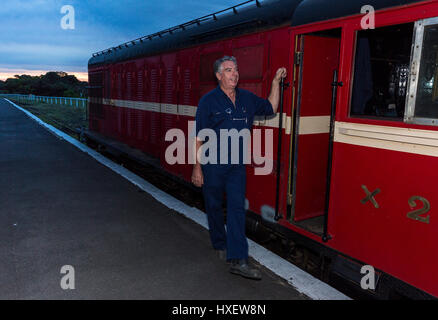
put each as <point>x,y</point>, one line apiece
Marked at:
<point>225,108</point>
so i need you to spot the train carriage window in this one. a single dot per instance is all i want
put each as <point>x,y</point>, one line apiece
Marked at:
<point>206,73</point>
<point>423,89</point>
<point>381,71</point>
<point>427,94</point>
<point>107,84</point>
<point>250,61</point>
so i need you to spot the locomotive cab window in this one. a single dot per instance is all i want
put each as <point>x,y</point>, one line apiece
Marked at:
<point>381,71</point>
<point>423,84</point>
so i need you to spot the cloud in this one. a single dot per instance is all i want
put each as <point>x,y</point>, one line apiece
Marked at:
<point>48,50</point>
<point>31,34</point>
<point>26,7</point>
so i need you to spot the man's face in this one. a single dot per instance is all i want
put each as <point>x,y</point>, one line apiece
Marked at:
<point>229,76</point>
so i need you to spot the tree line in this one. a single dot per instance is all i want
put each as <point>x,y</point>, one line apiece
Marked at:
<point>53,83</point>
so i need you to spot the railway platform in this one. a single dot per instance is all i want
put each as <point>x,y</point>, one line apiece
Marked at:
<point>72,228</point>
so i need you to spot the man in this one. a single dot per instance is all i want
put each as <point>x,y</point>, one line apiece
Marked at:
<point>225,108</point>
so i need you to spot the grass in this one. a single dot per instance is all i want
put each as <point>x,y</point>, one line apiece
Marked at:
<point>67,118</point>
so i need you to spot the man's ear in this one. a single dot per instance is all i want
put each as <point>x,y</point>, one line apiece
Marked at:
<point>218,76</point>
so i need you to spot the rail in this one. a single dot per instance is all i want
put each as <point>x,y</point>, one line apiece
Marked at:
<point>74,102</point>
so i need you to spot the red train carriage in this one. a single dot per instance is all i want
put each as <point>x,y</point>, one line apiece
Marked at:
<point>358,131</point>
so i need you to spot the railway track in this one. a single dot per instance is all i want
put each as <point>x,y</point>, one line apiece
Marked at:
<point>73,132</point>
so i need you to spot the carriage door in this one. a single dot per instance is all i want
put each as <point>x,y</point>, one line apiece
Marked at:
<point>318,59</point>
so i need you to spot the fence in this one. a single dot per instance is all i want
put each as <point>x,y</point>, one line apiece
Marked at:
<point>74,102</point>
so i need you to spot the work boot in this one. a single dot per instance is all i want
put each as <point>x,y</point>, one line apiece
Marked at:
<point>242,268</point>
<point>222,254</point>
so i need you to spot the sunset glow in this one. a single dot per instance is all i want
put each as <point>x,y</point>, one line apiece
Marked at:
<point>10,73</point>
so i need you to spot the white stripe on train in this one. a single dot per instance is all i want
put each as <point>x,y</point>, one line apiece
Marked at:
<point>416,141</point>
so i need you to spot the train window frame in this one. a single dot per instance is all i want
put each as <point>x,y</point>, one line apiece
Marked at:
<point>352,115</point>
<point>416,62</point>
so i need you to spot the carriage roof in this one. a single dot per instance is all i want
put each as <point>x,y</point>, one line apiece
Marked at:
<point>247,17</point>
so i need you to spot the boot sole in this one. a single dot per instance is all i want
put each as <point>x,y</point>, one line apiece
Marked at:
<point>242,274</point>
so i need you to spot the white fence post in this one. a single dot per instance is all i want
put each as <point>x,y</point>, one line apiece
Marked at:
<point>77,102</point>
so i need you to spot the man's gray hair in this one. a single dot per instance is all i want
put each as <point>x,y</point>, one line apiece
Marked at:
<point>218,63</point>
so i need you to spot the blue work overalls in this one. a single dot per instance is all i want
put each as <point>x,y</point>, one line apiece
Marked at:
<point>216,111</point>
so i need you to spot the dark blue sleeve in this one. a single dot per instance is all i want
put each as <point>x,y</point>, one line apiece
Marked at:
<point>202,114</point>
<point>262,106</point>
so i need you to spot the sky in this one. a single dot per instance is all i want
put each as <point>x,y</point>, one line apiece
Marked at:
<point>36,36</point>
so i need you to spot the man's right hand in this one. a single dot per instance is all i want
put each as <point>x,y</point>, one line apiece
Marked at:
<point>197,176</point>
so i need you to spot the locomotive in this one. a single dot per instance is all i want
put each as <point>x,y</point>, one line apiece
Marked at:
<point>355,140</point>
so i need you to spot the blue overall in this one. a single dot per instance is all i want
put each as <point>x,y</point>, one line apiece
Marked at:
<point>216,111</point>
